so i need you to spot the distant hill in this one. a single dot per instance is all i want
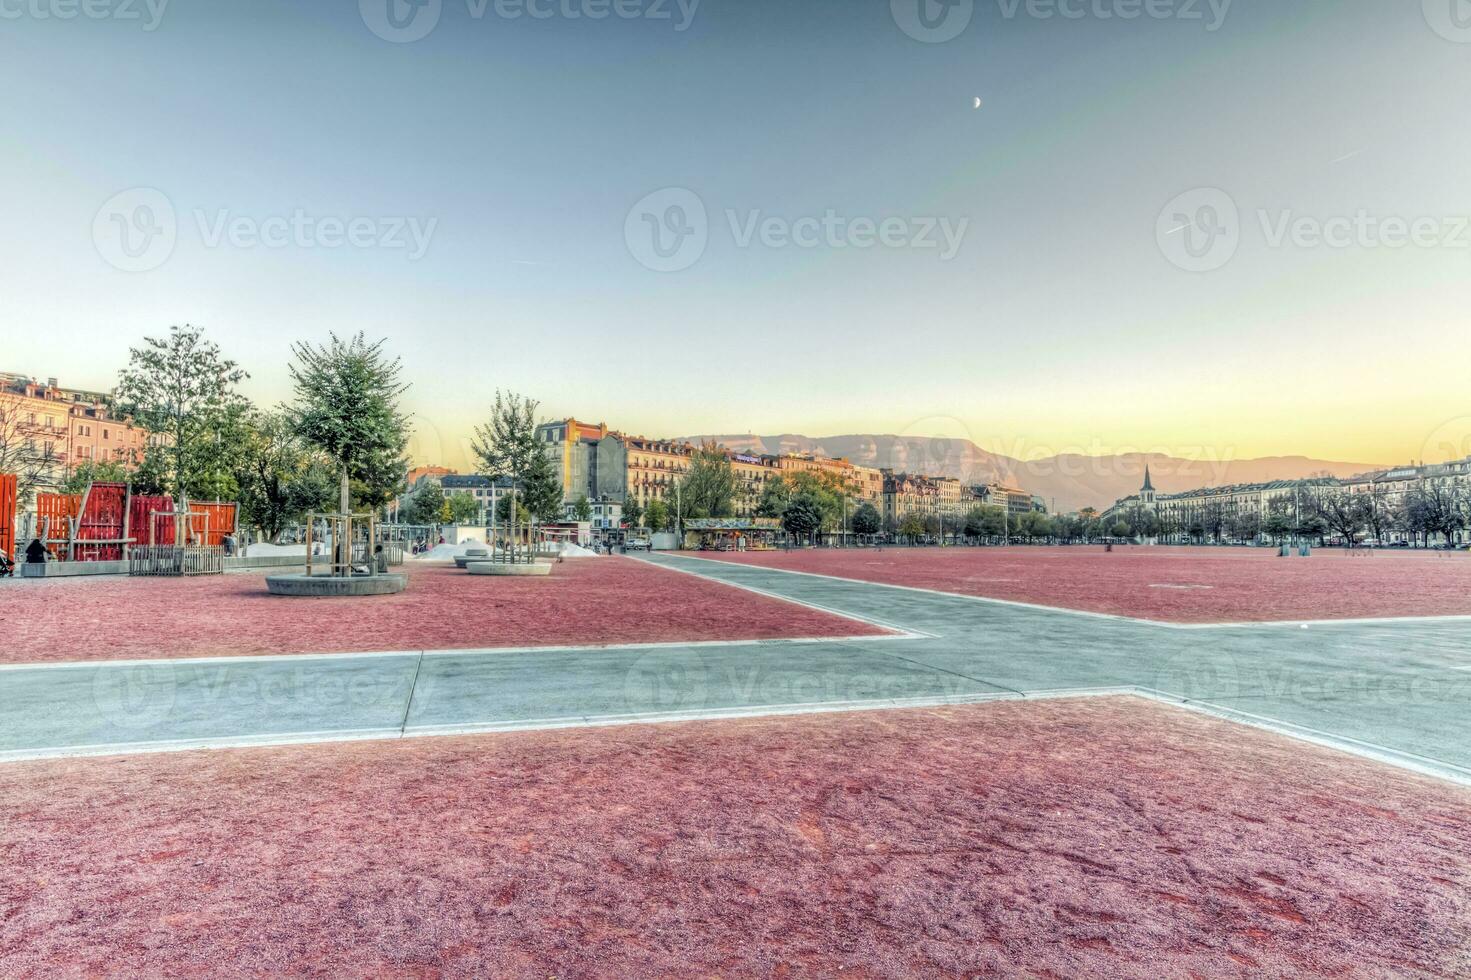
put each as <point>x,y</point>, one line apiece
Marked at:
<point>1073,481</point>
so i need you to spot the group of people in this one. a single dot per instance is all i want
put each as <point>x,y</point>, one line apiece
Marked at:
<point>36,554</point>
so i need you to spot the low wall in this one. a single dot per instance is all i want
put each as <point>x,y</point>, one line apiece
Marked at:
<point>71,569</point>
<point>68,569</point>
<point>268,561</point>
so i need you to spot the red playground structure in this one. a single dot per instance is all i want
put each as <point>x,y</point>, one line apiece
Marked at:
<point>7,514</point>
<point>108,522</point>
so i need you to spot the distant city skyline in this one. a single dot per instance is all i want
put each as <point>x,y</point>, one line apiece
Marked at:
<point>1232,229</point>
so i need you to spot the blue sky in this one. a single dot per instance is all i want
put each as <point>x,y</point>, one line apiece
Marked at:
<point>517,147</point>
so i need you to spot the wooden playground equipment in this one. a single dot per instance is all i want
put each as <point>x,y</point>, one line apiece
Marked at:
<point>357,563</point>
<point>364,556</point>
<point>7,514</point>
<point>108,522</point>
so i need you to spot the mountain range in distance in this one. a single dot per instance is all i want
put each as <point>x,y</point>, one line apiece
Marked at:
<point>1067,481</point>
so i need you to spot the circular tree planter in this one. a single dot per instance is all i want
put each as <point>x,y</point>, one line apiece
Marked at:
<point>500,568</point>
<point>334,585</point>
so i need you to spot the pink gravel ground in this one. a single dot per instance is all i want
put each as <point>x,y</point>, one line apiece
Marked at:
<point>1109,837</point>
<point>1180,585</point>
<point>586,601</point>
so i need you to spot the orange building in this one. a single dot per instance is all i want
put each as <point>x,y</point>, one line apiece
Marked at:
<point>50,430</point>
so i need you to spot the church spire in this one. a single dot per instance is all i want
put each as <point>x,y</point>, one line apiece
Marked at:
<point>1148,484</point>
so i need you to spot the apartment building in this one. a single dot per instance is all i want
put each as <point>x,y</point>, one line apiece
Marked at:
<point>52,430</point>
<point>1208,506</point>
<point>1015,500</point>
<point>927,496</point>
<point>485,491</point>
<point>573,447</point>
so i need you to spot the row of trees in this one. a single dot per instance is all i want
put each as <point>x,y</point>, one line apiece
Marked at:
<point>1434,508</point>
<point>340,442</point>
<point>1314,513</point>
<point>339,445</point>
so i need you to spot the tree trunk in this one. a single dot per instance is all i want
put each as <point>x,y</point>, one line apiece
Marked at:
<point>344,542</point>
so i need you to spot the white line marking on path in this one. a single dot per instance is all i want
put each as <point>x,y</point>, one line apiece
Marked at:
<point>1277,623</point>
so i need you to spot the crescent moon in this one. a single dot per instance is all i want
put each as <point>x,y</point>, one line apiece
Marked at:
<point>978,102</point>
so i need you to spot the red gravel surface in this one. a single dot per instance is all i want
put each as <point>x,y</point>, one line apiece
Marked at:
<point>586,601</point>
<point>1070,838</point>
<point>1181,585</point>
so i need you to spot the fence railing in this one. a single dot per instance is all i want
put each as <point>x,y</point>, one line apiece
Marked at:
<point>176,560</point>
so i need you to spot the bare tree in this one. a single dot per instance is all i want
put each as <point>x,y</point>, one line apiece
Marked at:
<point>27,450</point>
<point>1344,512</point>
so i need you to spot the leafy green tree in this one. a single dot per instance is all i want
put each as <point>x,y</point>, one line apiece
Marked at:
<point>582,509</point>
<point>507,447</point>
<point>92,471</point>
<point>426,505</point>
<point>803,516</point>
<point>279,479</point>
<point>463,508</point>
<point>541,488</point>
<point>1032,525</point>
<point>774,497</point>
<point>632,511</point>
<point>911,526</point>
<point>151,474</point>
<point>503,511</point>
<point>347,407</point>
<point>1312,527</point>
<point>709,487</point>
<point>1279,522</point>
<point>216,469</point>
<point>657,515</point>
<point>867,520</point>
<point>988,521</point>
<point>183,388</point>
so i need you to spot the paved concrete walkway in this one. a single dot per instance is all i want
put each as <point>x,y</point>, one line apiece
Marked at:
<point>1395,690</point>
